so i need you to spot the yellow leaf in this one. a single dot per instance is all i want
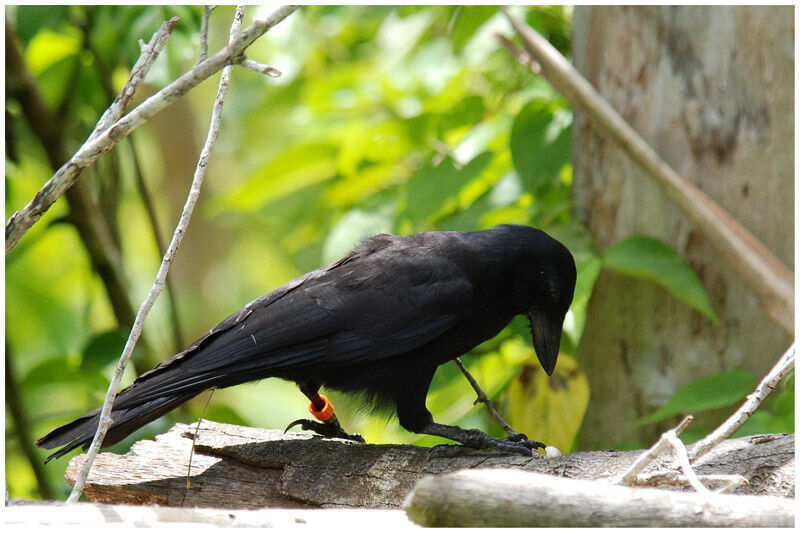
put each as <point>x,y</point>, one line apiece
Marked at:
<point>549,409</point>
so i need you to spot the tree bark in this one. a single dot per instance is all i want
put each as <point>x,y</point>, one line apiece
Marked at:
<point>712,90</point>
<point>247,468</point>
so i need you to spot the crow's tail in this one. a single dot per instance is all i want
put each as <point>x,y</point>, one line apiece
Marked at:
<point>80,431</point>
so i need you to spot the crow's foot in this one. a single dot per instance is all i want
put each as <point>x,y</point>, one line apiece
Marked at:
<point>331,430</point>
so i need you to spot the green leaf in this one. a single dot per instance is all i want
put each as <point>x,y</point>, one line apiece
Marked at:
<point>431,187</point>
<point>466,112</point>
<point>649,258</point>
<point>466,21</point>
<point>103,349</point>
<point>540,142</point>
<point>296,168</point>
<point>712,392</point>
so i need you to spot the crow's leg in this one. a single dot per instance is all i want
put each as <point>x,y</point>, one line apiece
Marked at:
<point>474,438</point>
<point>322,408</point>
<point>415,417</point>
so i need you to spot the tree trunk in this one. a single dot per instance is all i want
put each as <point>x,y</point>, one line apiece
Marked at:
<point>712,90</point>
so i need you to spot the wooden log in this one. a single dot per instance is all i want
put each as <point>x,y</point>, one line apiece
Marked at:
<point>56,514</point>
<point>247,468</point>
<point>509,498</point>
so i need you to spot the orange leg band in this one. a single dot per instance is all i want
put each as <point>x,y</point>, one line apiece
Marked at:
<point>323,414</point>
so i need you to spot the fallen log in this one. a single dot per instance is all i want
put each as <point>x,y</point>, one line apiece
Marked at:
<point>248,468</point>
<point>495,498</point>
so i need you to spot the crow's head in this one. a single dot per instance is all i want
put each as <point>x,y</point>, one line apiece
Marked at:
<point>544,283</point>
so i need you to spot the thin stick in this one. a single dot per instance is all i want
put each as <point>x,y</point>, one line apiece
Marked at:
<point>259,67</point>
<point>138,72</point>
<point>754,399</point>
<point>213,132</point>
<point>63,179</point>
<point>764,274</point>
<point>482,398</point>
<point>519,54</point>
<point>629,477</point>
<point>194,440</point>
<point>204,33</point>
<point>683,460</point>
<point>150,209</point>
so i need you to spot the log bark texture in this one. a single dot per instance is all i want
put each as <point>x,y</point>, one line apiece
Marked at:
<point>711,88</point>
<point>492,498</point>
<point>248,468</point>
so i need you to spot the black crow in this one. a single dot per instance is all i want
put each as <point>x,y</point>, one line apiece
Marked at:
<point>379,321</point>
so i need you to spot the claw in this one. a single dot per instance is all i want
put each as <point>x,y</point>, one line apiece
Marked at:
<point>302,422</point>
<point>330,429</point>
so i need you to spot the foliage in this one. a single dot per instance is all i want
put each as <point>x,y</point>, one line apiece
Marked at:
<point>651,259</point>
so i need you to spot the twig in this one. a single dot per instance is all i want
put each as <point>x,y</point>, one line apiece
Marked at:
<point>754,399</point>
<point>138,72</point>
<point>258,67</point>
<point>63,179</point>
<point>683,460</point>
<point>150,209</point>
<point>194,440</point>
<point>105,420</point>
<point>765,275</point>
<point>629,477</point>
<point>720,483</point>
<point>482,398</point>
<point>204,33</point>
<point>519,54</point>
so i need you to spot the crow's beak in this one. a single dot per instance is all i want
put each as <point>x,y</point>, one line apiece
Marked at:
<point>546,339</point>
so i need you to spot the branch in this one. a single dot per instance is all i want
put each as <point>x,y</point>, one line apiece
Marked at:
<point>138,72</point>
<point>105,420</point>
<point>764,274</point>
<point>735,421</point>
<point>508,498</point>
<point>251,468</point>
<point>95,146</point>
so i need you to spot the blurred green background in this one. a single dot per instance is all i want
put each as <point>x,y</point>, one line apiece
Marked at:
<point>386,119</point>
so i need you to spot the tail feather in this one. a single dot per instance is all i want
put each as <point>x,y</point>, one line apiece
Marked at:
<point>80,431</point>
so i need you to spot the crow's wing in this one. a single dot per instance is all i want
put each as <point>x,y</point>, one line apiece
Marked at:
<point>363,308</point>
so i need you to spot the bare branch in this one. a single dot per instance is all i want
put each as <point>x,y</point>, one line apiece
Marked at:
<point>105,415</point>
<point>63,179</point>
<point>754,399</point>
<point>764,274</point>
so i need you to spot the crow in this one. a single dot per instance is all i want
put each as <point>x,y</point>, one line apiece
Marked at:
<point>377,322</point>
